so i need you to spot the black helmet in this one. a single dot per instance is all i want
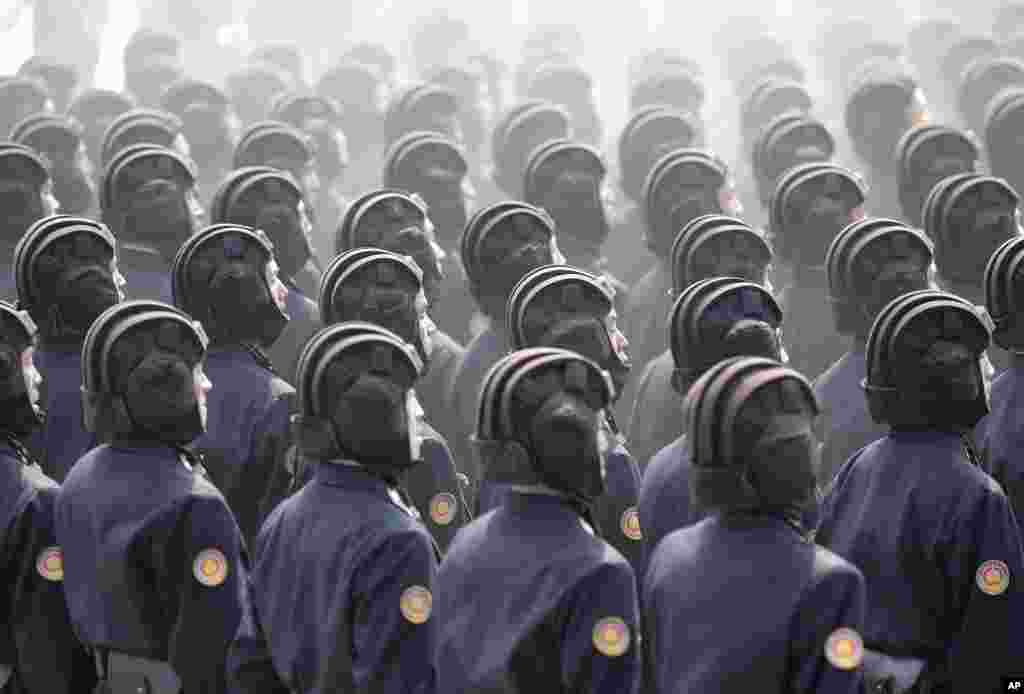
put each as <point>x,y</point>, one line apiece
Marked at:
<point>982,81</point>
<point>220,276</point>
<point>539,422</point>
<point>17,334</point>
<point>64,271</point>
<point>870,263</point>
<point>518,133</point>
<point>20,97</point>
<point>252,89</point>
<point>716,245</point>
<point>567,180</point>
<point>719,318</point>
<point>927,154</point>
<point>422,106</point>
<point>138,362</point>
<point>749,427</point>
<point>354,385</point>
<point>651,133</point>
<point>1003,278</point>
<point>565,307</point>
<point>141,126</point>
<point>923,363</point>
<point>787,141</point>
<point>25,186</point>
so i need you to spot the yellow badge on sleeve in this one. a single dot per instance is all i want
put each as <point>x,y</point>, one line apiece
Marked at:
<point>210,567</point>
<point>416,604</point>
<point>50,564</point>
<point>844,649</point>
<point>611,637</point>
<point>631,524</point>
<point>993,577</point>
<point>443,508</point>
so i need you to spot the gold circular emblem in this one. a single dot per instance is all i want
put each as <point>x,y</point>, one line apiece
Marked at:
<point>844,649</point>
<point>631,524</point>
<point>416,604</point>
<point>993,577</point>
<point>443,508</point>
<point>611,637</point>
<point>50,564</point>
<point>210,567</point>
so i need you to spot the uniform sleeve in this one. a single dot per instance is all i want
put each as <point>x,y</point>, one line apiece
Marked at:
<point>823,655</point>
<point>49,656</point>
<point>211,596</point>
<point>601,651</point>
<point>436,493</point>
<point>642,421</point>
<point>394,634</point>
<point>617,509</point>
<point>266,477</point>
<point>250,667</point>
<point>986,565</point>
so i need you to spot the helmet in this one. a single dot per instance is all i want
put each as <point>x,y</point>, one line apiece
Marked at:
<point>422,106</point>
<point>539,422</point>
<point>20,98</point>
<point>17,334</point>
<point>927,154</point>
<point>870,263</point>
<point>650,133</point>
<point>566,179</point>
<point>355,389</point>
<point>59,140</point>
<point>1002,294</point>
<point>24,190</point>
<point>982,80</point>
<point>140,126</point>
<point>220,276</point>
<point>749,427</point>
<point>770,98</point>
<point>714,246</point>
<point>787,141</point>
<point>253,87</point>
<point>565,307</point>
<point>379,287</point>
<point>719,318</point>
<point>64,271</point>
<point>923,363</point>
<point>138,363</point>
<point>517,134</point>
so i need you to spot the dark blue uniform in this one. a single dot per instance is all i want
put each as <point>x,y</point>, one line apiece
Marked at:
<point>154,564</point>
<point>813,343</point>
<point>62,439</point>
<point>1004,434</point>
<point>38,649</point>
<point>248,433</point>
<point>146,274</point>
<point>8,289</point>
<point>645,325</point>
<point>747,604</point>
<point>665,504</point>
<point>845,425</point>
<point>921,522</point>
<point>616,511</point>
<point>342,587</point>
<point>530,601</point>
<point>304,321</point>
<point>431,389</point>
<point>657,418</point>
<point>464,388</point>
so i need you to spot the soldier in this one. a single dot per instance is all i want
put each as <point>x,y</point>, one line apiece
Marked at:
<point>210,127</point>
<point>66,273</point>
<point>570,87</point>
<point>967,217</point>
<point>501,244</point>
<point>710,246</point>
<point>386,289</point>
<point>682,186</point>
<point>787,141</point>
<point>753,452</point>
<point>143,126</point>
<point>958,55</point>
<point>770,97</point>
<point>1001,431</point>
<point>565,617</point>
<point>981,83</point>
<point>40,652</point>
<point>352,613</point>
<point>96,109</point>
<point>149,201</point>
<point>59,140</point>
<point>869,264</point>
<point>139,514</point>
<point>423,106</point>
<point>650,133</point>
<point>712,320</point>
<point>926,155</point>
<point>270,200</point>
<point>677,85</point>
<point>60,79</point>
<point>276,144</point>
<point>399,222</point>
<point>284,56</point>
<point>1004,145</point>
<point>566,179</point>
<point>227,276</point>
<point>21,98</point>
<point>252,88</point>
<point>811,205</point>
<point>564,307</point>
<point>934,535</point>
<point>474,116</point>
<point>435,168</point>
<point>26,196</point>
<point>516,135</point>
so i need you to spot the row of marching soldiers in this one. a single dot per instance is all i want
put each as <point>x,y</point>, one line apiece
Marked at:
<point>266,470</point>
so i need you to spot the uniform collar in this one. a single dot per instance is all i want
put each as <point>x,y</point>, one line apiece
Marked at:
<point>351,475</point>
<point>536,499</point>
